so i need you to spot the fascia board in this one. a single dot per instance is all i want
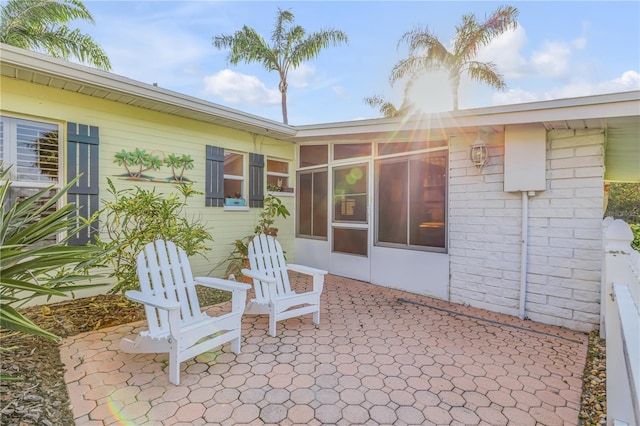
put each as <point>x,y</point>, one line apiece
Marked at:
<point>626,104</point>
<point>92,77</point>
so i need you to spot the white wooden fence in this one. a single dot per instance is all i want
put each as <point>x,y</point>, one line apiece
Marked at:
<point>621,314</point>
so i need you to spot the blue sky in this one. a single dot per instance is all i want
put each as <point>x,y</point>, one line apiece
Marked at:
<point>560,49</point>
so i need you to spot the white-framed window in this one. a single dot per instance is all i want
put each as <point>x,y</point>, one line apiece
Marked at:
<point>312,203</point>
<point>411,201</point>
<point>33,150</point>
<point>227,185</point>
<point>233,175</point>
<point>277,175</point>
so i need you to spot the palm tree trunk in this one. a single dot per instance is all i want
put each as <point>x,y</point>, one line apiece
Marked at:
<point>285,119</point>
<point>455,84</point>
<point>283,91</point>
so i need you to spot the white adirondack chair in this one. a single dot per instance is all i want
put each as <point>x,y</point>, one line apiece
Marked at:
<point>273,293</point>
<point>176,324</point>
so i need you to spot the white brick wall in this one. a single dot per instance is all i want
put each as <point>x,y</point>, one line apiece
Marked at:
<point>564,232</point>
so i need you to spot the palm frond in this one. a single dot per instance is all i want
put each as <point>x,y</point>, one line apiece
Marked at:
<point>290,48</point>
<point>386,108</point>
<point>247,46</point>
<point>471,36</point>
<point>486,72</point>
<point>310,47</point>
<point>41,25</point>
<point>279,33</point>
<point>426,53</point>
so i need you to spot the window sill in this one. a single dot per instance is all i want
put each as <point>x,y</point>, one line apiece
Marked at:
<point>236,208</point>
<point>282,194</point>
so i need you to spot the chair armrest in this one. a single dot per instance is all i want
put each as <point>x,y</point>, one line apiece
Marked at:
<point>221,284</point>
<point>305,269</point>
<point>260,276</point>
<point>156,302</point>
<point>261,290</point>
<point>238,290</point>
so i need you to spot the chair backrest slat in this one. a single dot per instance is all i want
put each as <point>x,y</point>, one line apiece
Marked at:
<point>266,255</point>
<point>164,271</point>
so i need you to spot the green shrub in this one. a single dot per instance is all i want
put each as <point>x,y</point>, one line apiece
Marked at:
<point>635,244</point>
<point>624,202</point>
<point>136,217</point>
<point>32,262</point>
<point>239,256</point>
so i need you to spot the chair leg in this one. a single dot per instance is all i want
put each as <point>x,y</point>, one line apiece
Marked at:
<point>235,344</point>
<point>174,365</point>
<point>272,319</point>
<point>316,316</point>
<point>272,325</point>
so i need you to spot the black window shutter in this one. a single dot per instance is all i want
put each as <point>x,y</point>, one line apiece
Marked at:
<point>82,160</point>
<point>256,180</point>
<point>214,187</point>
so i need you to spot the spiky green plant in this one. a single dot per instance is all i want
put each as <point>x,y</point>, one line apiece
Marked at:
<point>35,259</point>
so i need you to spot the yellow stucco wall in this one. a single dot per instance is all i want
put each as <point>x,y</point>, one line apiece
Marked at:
<point>126,127</point>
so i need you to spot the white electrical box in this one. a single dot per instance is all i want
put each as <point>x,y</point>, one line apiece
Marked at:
<point>525,149</point>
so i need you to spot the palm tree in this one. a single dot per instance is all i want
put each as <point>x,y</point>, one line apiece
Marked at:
<point>427,53</point>
<point>41,25</point>
<point>291,47</point>
<point>387,108</point>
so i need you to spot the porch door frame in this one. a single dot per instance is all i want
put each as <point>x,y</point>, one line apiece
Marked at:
<point>343,264</point>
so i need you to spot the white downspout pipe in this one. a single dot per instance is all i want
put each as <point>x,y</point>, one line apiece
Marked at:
<point>524,251</point>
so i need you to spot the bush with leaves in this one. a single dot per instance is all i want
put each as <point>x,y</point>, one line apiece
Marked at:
<point>35,259</point>
<point>138,216</point>
<point>635,244</point>
<point>624,203</point>
<point>239,256</point>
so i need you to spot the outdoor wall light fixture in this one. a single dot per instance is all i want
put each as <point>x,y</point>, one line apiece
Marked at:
<point>479,153</point>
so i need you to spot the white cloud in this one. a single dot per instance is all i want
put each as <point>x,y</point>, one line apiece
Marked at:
<point>552,60</point>
<point>579,43</point>
<point>341,92</point>
<point>237,88</point>
<point>629,80</point>
<point>155,54</point>
<point>301,77</point>
<point>504,51</point>
<point>432,93</point>
<point>514,96</point>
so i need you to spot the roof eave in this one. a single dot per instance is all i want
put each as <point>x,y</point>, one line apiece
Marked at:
<point>596,107</point>
<point>91,77</point>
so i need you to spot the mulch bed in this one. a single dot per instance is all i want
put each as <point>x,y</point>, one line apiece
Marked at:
<point>41,398</point>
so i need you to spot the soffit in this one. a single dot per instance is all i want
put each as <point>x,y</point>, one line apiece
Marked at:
<point>622,153</point>
<point>47,71</point>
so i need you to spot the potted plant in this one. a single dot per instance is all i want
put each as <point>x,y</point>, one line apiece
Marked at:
<point>273,208</point>
<point>238,258</point>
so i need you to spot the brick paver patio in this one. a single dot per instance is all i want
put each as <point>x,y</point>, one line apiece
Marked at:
<point>379,356</point>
